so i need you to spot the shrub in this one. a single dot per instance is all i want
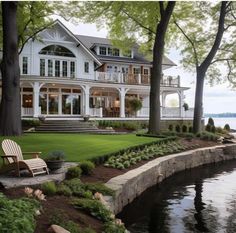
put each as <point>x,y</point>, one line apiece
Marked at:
<point>184,129</point>
<point>64,190</point>
<point>56,155</point>
<point>171,127</point>
<point>49,188</point>
<point>30,123</point>
<point>61,218</point>
<point>99,187</point>
<point>87,167</point>
<point>213,129</point>
<point>177,128</point>
<point>208,128</point>
<point>190,129</point>
<point>17,215</point>
<point>111,227</point>
<point>93,207</point>
<point>227,127</point>
<point>73,172</point>
<point>211,121</point>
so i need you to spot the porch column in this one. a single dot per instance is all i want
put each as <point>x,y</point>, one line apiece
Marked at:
<point>36,89</point>
<point>122,92</point>
<point>181,103</point>
<point>86,92</point>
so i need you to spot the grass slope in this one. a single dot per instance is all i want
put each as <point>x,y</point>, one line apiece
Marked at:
<point>77,146</point>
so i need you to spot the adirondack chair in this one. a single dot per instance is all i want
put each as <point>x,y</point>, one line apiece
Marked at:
<point>13,160</point>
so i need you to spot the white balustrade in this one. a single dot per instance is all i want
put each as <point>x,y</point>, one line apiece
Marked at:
<point>27,111</point>
<point>95,112</point>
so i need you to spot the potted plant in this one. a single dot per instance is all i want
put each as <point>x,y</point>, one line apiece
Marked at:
<point>186,107</point>
<point>86,118</point>
<point>55,160</point>
<point>42,118</point>
<point>134,105</point>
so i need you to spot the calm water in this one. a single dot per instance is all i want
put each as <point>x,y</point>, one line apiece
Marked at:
<point>220,122</point>
<point>200,200</point>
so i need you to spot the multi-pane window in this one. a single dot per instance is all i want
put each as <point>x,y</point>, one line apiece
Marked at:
<point>116,52</point>
<point>25,65</point>
<point>137,70</point>
<point>102,50</point>
<point>57,68</point>
<point>110,51</point>
<point>64,68</point>
<point>86,67</point>
<point>145,71</point>
<point>42,67</point>
<point>72,69</point>
<point>50,68</point>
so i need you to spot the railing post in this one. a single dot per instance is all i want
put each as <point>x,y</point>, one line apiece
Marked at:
<point>100,112</point>
<point>36,88</point>
<point>139,78</point>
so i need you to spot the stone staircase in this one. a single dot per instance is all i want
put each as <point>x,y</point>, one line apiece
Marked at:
<point>71,126</point>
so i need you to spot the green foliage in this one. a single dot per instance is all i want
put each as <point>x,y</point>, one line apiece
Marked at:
<point>227,127</point>
<point>171,127</point>
<point>87,167</point>
<point>177,128</point>
<point>99,187</point>
<point>17,215</point>
<point>207,136</point>
<point>184,129</point>
<point>186,107</point>
<point>131,157</point>
<point>211,121</point>
<point>213,129</point>
<point>30,123</point>
<point>134,104</point>
<point>49,188</point>
<point>64,190</point>
<point>73,172</point>
<point>61,218</point>
<point>56,155</point>
<point>93,207</point>
<point>111,227</point>
<point>208,128</point>
<point>190,129</point>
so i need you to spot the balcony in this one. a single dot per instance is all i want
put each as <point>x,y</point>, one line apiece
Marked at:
<point>136,79</point>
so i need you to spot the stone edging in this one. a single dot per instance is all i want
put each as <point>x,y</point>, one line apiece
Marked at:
<point>131,184</point>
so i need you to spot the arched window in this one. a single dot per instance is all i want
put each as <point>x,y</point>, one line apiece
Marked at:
<point>56,50</point>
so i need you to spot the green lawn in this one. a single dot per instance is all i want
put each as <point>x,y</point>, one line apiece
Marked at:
<point>78,147</point>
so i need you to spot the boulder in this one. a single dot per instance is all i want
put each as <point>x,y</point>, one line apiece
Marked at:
<point>57,229</point>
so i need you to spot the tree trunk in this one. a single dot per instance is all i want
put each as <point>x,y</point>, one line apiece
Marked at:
<point>10,108</point>
<point>202,69</point>
<point>156,74</point>
<point>198,106</point>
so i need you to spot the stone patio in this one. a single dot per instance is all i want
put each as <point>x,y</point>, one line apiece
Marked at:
<point>11,181</point>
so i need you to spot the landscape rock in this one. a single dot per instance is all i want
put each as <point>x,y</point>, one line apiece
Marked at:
<point>57,229</point>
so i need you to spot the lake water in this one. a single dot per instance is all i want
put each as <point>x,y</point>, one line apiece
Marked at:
<point>199,200</point>
<point>222,121</point>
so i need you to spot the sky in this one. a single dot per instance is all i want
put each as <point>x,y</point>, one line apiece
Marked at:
<point>217,99</point>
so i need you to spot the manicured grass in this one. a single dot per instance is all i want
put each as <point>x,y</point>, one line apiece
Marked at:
<point>78,147</point>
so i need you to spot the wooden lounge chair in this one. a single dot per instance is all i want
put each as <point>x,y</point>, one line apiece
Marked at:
<point>13,160</point>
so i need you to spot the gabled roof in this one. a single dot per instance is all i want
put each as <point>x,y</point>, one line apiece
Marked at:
<point>86,48</point>
<point>139,58</point>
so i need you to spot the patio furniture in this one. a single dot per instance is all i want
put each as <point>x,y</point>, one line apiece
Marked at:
<point>13,160</point>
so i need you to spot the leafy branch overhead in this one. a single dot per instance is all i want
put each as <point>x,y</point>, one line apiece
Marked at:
<point>197,36</point>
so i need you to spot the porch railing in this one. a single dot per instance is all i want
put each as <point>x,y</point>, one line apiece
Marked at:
<point>117,77</point>
<point>27,111</point>
<point>95,112</point>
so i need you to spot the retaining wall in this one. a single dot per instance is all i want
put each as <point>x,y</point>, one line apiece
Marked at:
<point>131,184</point>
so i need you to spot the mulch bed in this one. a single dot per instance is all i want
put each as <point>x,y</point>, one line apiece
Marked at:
<point>100,174</point>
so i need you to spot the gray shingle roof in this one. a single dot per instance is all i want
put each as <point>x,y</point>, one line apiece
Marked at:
<point>90,41</point>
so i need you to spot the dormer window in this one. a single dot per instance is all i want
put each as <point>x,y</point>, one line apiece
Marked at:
<point>103,51</point>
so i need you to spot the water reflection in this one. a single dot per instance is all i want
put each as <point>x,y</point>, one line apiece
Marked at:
<point>200,200</point>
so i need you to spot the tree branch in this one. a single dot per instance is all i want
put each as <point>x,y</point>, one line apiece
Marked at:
<point>137,22</point>
<point>229,74</point>
<point>223,59</point>
<point>162,11</point>
<point>190,41</point>
<point>32,36</point>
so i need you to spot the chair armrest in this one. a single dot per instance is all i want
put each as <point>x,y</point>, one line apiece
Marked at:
<point>34,154</point>
<point>14,157</point>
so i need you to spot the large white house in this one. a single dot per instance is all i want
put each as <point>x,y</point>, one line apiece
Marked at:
<point>64,75</point>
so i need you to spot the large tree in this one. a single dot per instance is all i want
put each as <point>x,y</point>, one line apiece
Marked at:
<point>129,22</point>
<point>208,43</point>
<point>20,22</point>
<point>10,111</point>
